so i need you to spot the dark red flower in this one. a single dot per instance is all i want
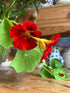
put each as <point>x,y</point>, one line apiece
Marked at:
<point>54,40</point>
<point>21,34</point>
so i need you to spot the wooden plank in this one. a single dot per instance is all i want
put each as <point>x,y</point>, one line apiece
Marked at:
<point>52,19</point>
<point>50,30</point>
<point>55,11</point>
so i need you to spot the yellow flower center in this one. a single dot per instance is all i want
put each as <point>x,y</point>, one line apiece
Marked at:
<point>27,33</point>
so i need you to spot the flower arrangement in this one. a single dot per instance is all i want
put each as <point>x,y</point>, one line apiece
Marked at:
<point>31,49</point>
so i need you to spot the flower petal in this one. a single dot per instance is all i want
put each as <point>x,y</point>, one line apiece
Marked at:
<point>30,25</point>
<point>16,30</point>
<point>55,39</point>
<point>36,33</point>
<point>46,53</point>
<point>30,43</point>
<point>18,43</point>
<point>24,43</point>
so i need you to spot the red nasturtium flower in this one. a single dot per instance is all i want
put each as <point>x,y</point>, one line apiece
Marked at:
<point>46,44</point>
<point>54,40</point>
<point>22,35</point>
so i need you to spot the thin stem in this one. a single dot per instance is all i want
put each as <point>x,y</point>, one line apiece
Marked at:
<point>44,62</point>
<point>47,68</point>
<point>13,2</point>
<point>14,22</point>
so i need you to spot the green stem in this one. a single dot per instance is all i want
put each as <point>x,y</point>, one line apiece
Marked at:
<point>36,9</point>
<point>44,62</point>
<point>14,22</point>
<point>47,68</point>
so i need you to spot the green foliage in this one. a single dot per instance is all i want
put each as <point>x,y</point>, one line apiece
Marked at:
<point>16,8</point>
<point>7,11</point>
<point>21,5</point>
<point>54,70</point>
<point>3,6</point>
<point>26,60</point>
<point>55,63</point>
<point>5,26</point>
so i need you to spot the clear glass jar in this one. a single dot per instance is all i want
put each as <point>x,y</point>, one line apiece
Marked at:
<point>4,53</point>
<point>6,56</point>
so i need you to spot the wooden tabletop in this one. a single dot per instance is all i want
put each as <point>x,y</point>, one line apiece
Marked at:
<point>13,82</point>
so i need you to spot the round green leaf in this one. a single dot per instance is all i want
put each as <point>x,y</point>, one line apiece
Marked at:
<point>5,39</point>
<point>55,63</point>
<point>26,60</point>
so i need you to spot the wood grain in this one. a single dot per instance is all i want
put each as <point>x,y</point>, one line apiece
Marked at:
<point>54,19</point>
<point>31,83</point>
<point>51,20</point>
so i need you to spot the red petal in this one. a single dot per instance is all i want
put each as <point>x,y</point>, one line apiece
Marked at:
<point>30,43</point>
<point>30,25</point>
<point>18,43</point>
<point>49,49</point>
<point>45,55</point>
<point>24,43</point>
<point>36,33</point>
<point>56,37</point>
<point>16,30</point>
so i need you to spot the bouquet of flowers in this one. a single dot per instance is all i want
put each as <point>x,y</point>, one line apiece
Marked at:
<point>31,49</point>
